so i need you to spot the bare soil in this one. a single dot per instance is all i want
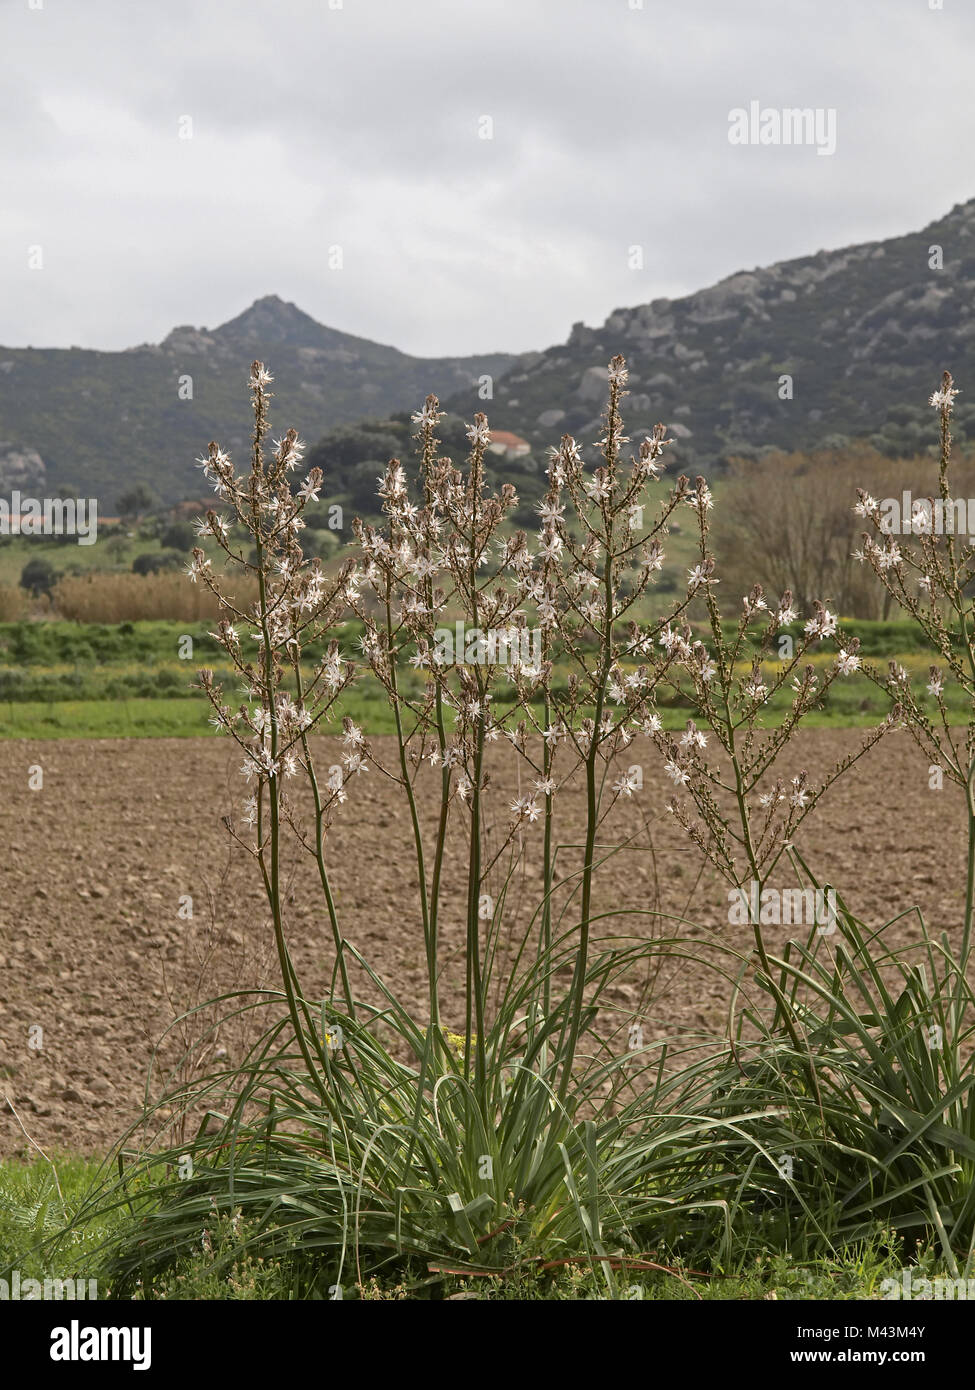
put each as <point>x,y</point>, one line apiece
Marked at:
<point>98,952</point>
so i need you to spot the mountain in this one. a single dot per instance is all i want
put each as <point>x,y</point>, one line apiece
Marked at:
<point>863,332</point>
<point>101,421</point>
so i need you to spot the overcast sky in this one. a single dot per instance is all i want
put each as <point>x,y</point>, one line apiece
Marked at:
<point>360,127</point>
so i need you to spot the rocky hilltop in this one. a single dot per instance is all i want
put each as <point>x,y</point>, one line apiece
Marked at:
<point>105,420</point>
<point>863,333</point>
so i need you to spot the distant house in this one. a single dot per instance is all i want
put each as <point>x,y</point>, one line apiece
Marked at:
<point>508,445</point>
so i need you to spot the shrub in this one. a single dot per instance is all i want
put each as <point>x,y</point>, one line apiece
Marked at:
<point>38,577</point>
<point>155,561</point>
<point>179,536</point>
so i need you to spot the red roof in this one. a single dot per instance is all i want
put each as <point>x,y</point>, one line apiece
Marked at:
<point>509,440</point>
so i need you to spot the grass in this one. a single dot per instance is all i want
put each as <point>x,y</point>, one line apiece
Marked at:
<point>162,717</point>
<point>37,1197</point>
<point>127,680</point>
<point>17,551</point>
<point>153,718</point>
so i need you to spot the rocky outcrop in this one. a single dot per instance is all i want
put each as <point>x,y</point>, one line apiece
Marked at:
<point>21,469</point>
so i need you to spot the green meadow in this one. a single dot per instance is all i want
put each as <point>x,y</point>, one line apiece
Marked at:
<point>129,680</point>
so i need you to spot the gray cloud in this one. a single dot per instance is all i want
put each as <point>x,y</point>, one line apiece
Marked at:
<point>358,127</point>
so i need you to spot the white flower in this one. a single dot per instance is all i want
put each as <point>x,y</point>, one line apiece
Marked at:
<point>889,557</point>
<point>289,451</point>
<point>822,624</point>
<point>195,568</point>
<point>698,576</point>
<point>673,643</point>
<point>550,548</point>
<point>550,511</point>
<point>626,784</point>
<point>428,414</point>
<point>618,373</point>
<point>942,399</point>
<point>799,796</point>
<point>700,499</point>
<point>653,557</point>
<point>546,613</point>
<point>332,671</point>
<point>847,662</point>
<point>676,773</point>
<point>692,737</point>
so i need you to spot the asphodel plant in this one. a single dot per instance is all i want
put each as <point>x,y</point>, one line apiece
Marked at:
<point>743,808</point>
<point>444,563</point>
<point>929,576</point>
<point>479,633</point>
<point>445,559</point>
<point>296,605</point>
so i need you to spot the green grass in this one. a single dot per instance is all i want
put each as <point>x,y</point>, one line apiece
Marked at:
<point>162,717</point>
<point>159,718</point>
<point>127,680</point>
<point>34,1204</point>
<point>36,1200</point>
<point>66,554</point>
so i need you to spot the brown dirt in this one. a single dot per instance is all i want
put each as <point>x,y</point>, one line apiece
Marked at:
<point>92,948</point>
